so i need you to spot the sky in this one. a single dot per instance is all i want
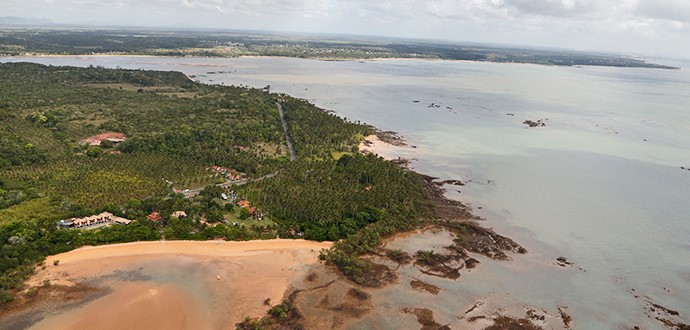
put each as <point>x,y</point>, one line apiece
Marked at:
<point>634,27</point>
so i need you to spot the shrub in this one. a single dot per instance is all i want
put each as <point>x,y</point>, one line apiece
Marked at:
<point>281,311</point>
<point>5,296</point>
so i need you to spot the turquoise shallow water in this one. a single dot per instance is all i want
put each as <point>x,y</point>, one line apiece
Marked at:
<point>601,184</point>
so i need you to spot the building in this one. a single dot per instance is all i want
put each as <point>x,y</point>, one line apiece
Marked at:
<point>252,211</point>
<point>102,218</point>
<point>155,217</point>
<point>227,172</point>
<point>110,136</point>
<point>179,214</point>
<point>244,203</point>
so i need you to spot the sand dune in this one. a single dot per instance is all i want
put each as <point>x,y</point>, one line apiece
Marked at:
<point>175,284</point>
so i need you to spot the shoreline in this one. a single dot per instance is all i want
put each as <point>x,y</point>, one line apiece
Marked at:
<point>399,258</point>
<point>363,60</point>
<point>388,145</point>
<point>508,232</point>
<point>204,284</point>
<point>449,213</point>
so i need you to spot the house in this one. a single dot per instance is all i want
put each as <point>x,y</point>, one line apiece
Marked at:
<point>109,136</point>
<point>155,217</point>
<point>252,211</point>
<point>224,196</point>
<point>120,220</point>
<point>91,220</point>
<point>102,218</point>
<point>67,223</point>
<point>179,214</point>
<point>244,203</point>
<point>217,169</point>
<point>228,172</point>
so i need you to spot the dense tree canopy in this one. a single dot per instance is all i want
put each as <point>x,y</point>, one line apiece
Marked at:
<point>175,130</point>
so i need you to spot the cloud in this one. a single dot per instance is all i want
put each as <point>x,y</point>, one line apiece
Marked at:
<point>675,10</point>
<point>261,8</point>
<point>556,8</point>
<point>557,23</point>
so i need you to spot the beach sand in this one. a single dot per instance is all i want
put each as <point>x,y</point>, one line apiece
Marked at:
<point>373,144</point>
<point>177,284</point>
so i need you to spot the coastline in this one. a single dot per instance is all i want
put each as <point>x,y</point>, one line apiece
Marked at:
<point>388,145</point>
<point>179,284</point>
<point>144,249</point>
<point>485,270</point>
<point>363,60</point>
<point>372,144</point>
<point>406,266</point>
<point>133,278</point>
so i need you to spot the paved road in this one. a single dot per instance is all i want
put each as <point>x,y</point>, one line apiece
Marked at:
<point>193,192</point>
<point>293,154</point>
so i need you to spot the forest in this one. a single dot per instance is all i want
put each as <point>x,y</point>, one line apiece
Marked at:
<point>176,130</point>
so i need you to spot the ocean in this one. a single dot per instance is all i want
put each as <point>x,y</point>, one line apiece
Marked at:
<point>600,183</point>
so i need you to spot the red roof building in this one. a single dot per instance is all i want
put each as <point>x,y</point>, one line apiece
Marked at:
<point>252,211</point>
<point>228,172</point>
<point>110,136</point>
<point>155,216</point>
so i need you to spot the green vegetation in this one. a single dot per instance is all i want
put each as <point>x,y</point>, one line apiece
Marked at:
<point>330,200</point>
<point>281,311</point>
<point>228,44</point>
<point>49,173</point>
<point>38,209</point>
<point>312,130</point>
<point>24,245</point>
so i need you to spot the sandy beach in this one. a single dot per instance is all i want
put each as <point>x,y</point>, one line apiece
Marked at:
<point>374,145</point>
<point>177,284</point>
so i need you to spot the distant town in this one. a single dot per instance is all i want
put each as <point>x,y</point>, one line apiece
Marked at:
<point>18,40</point>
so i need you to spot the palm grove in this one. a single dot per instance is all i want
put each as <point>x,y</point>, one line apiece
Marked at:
<point>176,130</point>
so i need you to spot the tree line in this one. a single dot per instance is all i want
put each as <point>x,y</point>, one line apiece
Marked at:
<point>48,174</point>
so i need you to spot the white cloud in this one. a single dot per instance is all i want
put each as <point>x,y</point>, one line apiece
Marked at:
<point>642,24</point>
<point>675,10</point>
<point>557,8</point>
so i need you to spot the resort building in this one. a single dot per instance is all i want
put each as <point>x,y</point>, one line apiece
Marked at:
<point>103,218</point>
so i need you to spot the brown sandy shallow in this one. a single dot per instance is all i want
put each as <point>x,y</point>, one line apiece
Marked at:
<point>136,305</point>
<point>174,284</point>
